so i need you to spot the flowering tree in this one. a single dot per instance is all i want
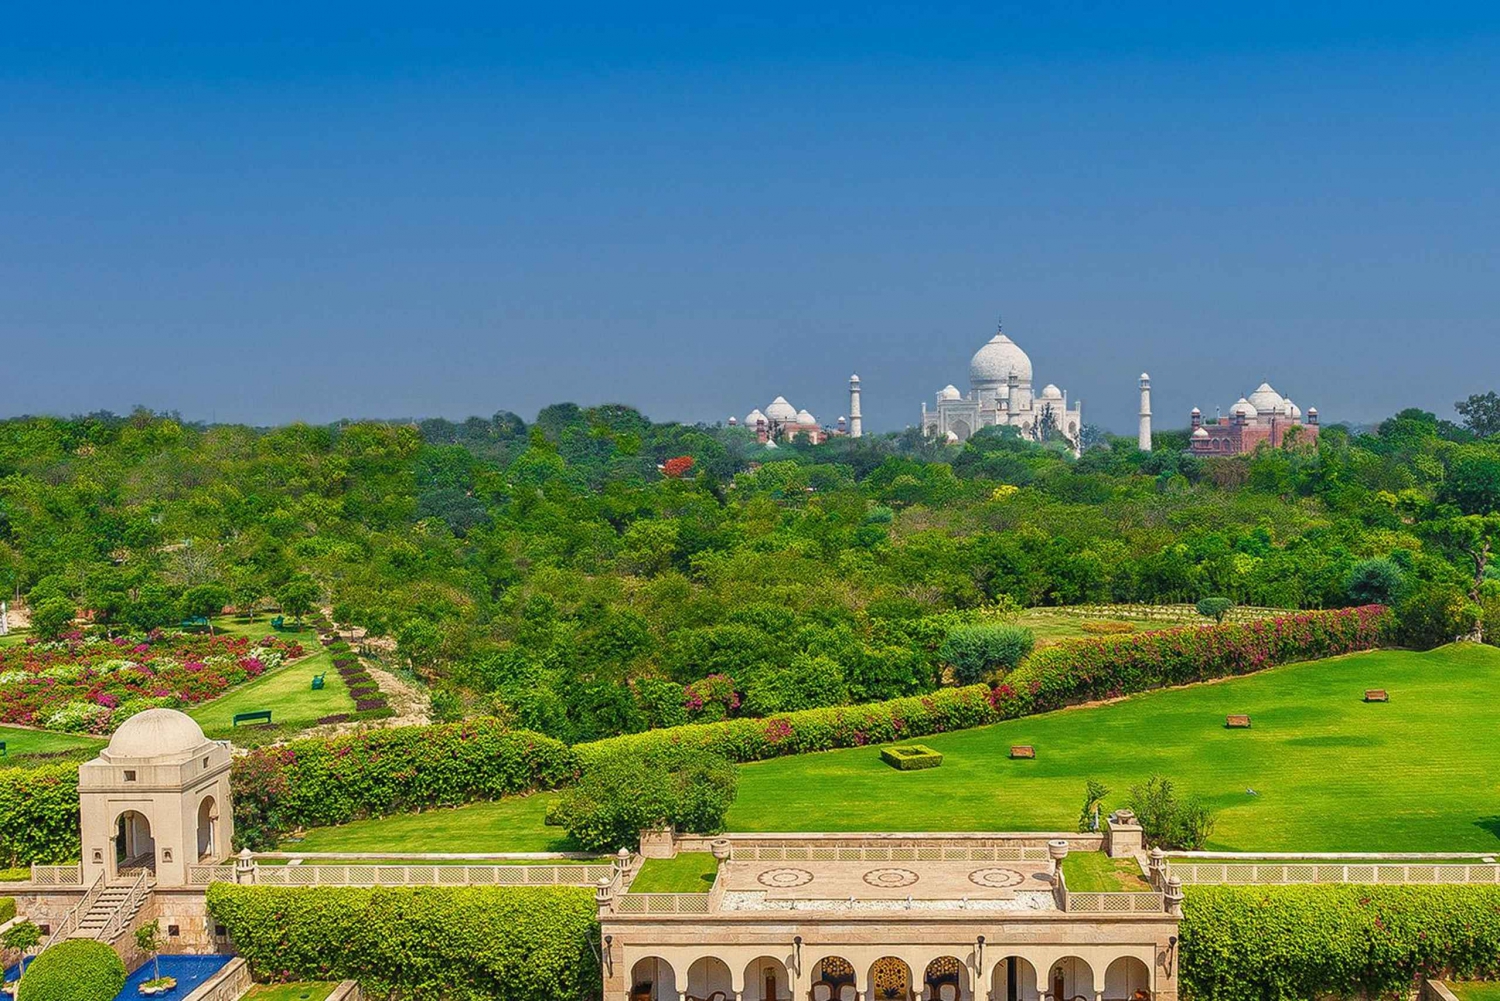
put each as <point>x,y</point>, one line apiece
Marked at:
<point>680,466</point>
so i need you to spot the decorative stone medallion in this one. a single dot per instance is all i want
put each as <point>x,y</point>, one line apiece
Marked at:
<point>996,878</point>
<point>890,878</point>
<point>781,879</point>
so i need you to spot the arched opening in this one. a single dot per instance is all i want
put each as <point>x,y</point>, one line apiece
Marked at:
<point>135,849</point>
<point>708,980</point>
<point>946,980</point>
<point>208,823</point>
<point>833,980</point>
<point>961,429</point>
<point>653,979</point>
<point>890,980</point>
<point>766,979</point>
<point>1014,980</point>
<point>1070,978</point>
<point>1127,979</point>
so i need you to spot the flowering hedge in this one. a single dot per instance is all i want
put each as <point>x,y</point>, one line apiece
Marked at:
<point>92,684</point>
<point>1287,943</point>
<point>1048,679</point>
<point>455,944</point>
<point>1104,668</point>
<point>320,781</point>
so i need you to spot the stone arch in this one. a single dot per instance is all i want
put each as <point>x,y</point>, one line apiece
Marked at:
<point>1068,978</point>
<point>1127,979</point>
<point>890,980</point>
<point>708,979</point>
<point>135,847</point>
<point>766,979</point>
<point>1015,979</point>
<point>946,979</point>
<point>961,429</point>
<point>653,979</point>
<point>833,979</point>
<point>208,829</point>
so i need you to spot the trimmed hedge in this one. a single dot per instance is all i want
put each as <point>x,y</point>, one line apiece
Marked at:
<point>7,909</point>
<point>1049,679</point>
<point>74,970</point>
<point>456,944</point>
<point>322,781</point>
<point>911,757</point>
<point>39,815</point>
<point>1288,943</point>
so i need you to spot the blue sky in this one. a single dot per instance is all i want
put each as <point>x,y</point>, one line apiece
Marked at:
<point>271,213</point>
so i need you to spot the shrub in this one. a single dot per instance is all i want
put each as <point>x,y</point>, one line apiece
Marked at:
<point>1214,608</point>
<point>984,649</point>
<point>622,793</point>
<point>1168,822</point>
<point>1434,614</point>
<point>51,616</point>
<point>74,970</point>
<point>39,814</point>
<point>1287,943</point>
<point>1099,627</point>
<point>7,909</point>
<point>1374,582</point>
<point>333,780</point>
<point>422,943</point>
<point>911,757</point>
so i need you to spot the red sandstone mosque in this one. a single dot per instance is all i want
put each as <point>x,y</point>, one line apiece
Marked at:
<point>1264,416</point>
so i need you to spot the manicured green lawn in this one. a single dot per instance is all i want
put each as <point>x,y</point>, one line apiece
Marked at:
<point>303,991</point>
<point>1050,629</point>
<point>1086,871</point>
<point>286,691</point>
<point>689,872</point>
<point>1475,990</point>
<point>20,741</point>
<point>1328,772</point>
<point>507,825</point>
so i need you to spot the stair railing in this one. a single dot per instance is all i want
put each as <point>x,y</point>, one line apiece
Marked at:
<point>125,910</point>
<point>69,924</point>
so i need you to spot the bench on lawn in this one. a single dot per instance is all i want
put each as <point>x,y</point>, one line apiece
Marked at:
<point>259,716</point>
<point>278,623</point>
<point>1376,695</point>
<point>317,683</point>
<point>195,622</point>
<point>1237,722</point>
<point>1022,751</point>
<point>3,752</point>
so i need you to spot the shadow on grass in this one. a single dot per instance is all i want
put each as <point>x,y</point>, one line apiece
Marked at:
<point>1490,824</point>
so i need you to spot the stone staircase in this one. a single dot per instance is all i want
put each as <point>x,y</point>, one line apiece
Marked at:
<point>105,912</point>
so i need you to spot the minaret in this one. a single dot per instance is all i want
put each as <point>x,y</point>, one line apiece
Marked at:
<point>1143,440</point>
<point>856,426</point>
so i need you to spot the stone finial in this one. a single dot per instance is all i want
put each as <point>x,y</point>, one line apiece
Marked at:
<point>1173,897</point>
<point>604,894</point>
<point>721,849</point>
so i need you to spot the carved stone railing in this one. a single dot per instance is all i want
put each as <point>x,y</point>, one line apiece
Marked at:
<point>662,903</point>
<point>202,875</point>
<point>1323,871</point>
<point>57,875</point>
<point>1096,902</point>
<point>355,874</point>
<point>762,851</point>
<point>70,922</point>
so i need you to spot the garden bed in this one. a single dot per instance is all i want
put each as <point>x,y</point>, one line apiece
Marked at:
<point>689,872</point>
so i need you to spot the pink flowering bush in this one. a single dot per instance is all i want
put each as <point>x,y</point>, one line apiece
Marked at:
<point>91,685</point>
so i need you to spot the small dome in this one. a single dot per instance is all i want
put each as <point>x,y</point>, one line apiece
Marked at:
<point>734,421</point>
<point>1051,392</point>
<point>1145,377</point>
<point>1242,407</point>
<point>950,392</point>
<point>781,410</point>
<point>1200,433</point>
<point>1292,410</point>
<point>156,733</point>
<point>854,378</point>
<point>1197,411</point>
<point>754,417</point>
<point>997,361</point>
<point>803,417</point>
<point>1266,400</point>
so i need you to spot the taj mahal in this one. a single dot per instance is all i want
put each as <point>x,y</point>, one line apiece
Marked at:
<point>1000,393</point>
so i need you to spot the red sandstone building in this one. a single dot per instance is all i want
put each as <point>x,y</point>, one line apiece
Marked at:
<point>1264,416</point>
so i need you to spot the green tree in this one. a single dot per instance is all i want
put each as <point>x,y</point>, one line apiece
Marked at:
<point>1093,804</point>
<point>980,650</point>
<point>626,792</point>
<point>1481,413</point>
<point>1374,582</point>
<point>51,617</point>
<point>21,937</point>
<point>1214,608</point>
<point>1167,821</point>
<point>148,940</point>
<point>204,602</point>
<point>298,597</point>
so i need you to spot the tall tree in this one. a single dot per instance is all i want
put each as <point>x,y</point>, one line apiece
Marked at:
<point>1481,413</point>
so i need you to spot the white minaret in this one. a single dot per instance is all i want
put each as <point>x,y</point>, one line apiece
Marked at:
<point>1143,440</point>
<point>856,426</point>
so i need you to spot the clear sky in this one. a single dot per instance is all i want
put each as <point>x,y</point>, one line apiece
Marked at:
<point>262,213</point>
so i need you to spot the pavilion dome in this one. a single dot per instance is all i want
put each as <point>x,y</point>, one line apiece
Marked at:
<point>950,392</point>
<point>803,417</point>
<point>754,417</point>
<point>156,733</point>
<point>1200,432</point>
<point>1266,400</point>
<point>1242,407</point>
<point>781,410</point>
<point>997,361</point>
<point>1051,392</point>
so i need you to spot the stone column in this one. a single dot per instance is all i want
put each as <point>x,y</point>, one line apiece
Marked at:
<point>245,868</point>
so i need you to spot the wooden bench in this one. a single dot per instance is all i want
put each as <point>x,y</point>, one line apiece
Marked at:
<point>1237,722</point>
<point>1022,751</point>
<point>1376,695</point>
<point>317,682</point>
<point>259,716</point>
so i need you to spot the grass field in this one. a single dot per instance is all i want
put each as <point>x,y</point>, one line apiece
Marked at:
<point>286,691</point>
<point>301,991</point>
<point>1475,990</point>
<point>1096,871</point>
<point>689,872</point>
<point>1052,628</point>
<point>19,741</point>
<point>1328,771</point>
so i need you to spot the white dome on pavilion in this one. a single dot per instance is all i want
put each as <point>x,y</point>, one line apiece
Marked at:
<point>156,733</point>
<point>754,417</point>
<point>803,417</point>
<point>1266,400</point>
<point>1051,392</point>
<point>997,361</point>
<point>781,410</point>
<point>1243,407</point>
<point>950,392</point>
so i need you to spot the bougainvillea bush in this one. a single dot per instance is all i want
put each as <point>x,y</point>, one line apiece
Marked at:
<point>90,684</point>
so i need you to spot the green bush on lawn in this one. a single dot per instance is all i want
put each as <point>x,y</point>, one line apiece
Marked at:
<point>911,757</point>
<point>454,944</point>
<point>1288,943</point>
<point>74,970</point>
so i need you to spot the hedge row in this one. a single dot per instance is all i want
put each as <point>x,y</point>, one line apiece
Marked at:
<point>457,944</point>
<point>1048,679</point>
<point>321,781</point>
<point>1289,943</point>
<point>39,814</point>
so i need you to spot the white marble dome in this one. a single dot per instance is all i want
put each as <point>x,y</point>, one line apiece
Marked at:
<point>998,360</point>
<point>803,417</point>
<point>156,733</point>
<point>781,410</point>
<point>754,417</point>
<point>1200,432</point>
<point>950,392</point>
<point>1266,400</point>
<point>1051,392</point>
<point>1242,408</point>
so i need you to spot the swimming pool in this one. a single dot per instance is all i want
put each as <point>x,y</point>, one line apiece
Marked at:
<point>190,971</point>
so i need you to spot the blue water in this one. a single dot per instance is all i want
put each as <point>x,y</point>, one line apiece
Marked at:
<point>12,972</point>
<point>190,971</point>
